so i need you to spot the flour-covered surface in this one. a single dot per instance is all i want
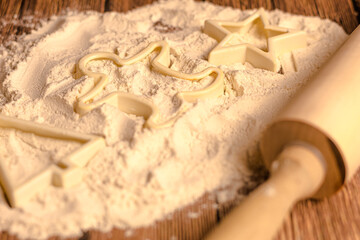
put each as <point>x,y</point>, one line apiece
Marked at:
<point>143,175</point>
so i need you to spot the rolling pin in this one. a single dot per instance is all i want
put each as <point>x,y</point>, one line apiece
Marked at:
<point>310,149</point>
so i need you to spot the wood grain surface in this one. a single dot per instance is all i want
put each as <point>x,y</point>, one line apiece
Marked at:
<point>337,217</point>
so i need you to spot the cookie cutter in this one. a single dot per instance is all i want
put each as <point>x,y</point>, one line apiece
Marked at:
<point>66,173</point>
<point>133,104</point>
<point>279,41</point>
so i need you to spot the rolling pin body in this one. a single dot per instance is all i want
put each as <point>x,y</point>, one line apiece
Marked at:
<point>326,114</point>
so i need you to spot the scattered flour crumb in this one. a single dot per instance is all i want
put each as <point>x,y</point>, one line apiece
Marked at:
<point>129,233</point>
<point>193,214</point>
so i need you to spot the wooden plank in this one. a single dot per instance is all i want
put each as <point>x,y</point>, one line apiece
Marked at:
<point>9,8</point>
<point>125,5</point>
<point>334,218</point>
<point>47,8</point>
<point>28,13</point>
<point>342,12</point>
<point>245,4</point>
<point>10,13</point>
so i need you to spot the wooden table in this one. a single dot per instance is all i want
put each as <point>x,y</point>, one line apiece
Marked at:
<point>335,218</point>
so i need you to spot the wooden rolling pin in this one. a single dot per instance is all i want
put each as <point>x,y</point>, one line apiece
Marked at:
<point>311,148</point>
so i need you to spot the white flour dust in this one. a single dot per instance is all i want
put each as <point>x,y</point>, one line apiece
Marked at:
<point>142,175</point>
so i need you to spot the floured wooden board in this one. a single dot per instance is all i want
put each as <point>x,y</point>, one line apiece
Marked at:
<point>334,218</point>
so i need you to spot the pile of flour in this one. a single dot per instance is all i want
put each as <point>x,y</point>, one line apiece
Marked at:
<point>143,175</point>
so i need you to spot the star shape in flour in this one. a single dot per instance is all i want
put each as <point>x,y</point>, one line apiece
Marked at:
<point>66,173</point>
<point>279,40</point>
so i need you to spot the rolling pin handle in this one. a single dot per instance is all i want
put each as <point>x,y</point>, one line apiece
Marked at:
<point>297,173</point>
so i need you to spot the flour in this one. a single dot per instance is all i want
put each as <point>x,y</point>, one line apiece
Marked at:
<point>143,175</point>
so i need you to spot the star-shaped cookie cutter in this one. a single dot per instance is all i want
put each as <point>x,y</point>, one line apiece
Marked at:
<point>279,41</point>
<point>133,104</point>
<point>66,173</point>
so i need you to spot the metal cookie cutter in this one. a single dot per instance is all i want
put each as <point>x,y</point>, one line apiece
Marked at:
<point>279,41</point>
<point>132,104</point>
<point>66,173</point>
